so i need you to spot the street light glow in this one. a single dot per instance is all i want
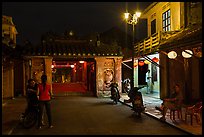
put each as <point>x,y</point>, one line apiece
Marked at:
<point>132,21</point>
<point>134,18</point>
<point>126,15</point>
<point>138,14</point>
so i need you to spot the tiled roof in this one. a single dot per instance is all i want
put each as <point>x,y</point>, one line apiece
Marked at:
<point>189,36</point>
<point>72,49</point>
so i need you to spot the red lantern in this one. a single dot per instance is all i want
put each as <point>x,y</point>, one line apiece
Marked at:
<point>141,63</point>
<point>155,59</point>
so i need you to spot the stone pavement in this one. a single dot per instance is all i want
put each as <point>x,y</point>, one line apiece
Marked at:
<point>11,115</point>
<point>151,102</point>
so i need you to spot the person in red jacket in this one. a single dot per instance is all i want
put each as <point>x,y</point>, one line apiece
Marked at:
<point>44,97</point>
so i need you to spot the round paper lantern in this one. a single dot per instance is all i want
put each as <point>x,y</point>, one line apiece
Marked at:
<point>155,59</point>
<point>187,54</point>
<point>172,55</point>
<point>146,62</point>
<point>141,63</point>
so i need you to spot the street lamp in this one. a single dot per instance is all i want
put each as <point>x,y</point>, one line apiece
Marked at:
<point>132,20</point>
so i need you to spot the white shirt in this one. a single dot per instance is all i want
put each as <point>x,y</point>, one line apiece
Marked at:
<point>147,76</point>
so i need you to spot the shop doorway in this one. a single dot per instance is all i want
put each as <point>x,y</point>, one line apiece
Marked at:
<point>142,75</point>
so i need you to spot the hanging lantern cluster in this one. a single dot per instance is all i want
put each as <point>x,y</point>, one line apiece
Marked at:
<point>143,62</point>
<point>185,54</point>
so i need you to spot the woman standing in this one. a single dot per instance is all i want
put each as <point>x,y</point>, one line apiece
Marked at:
<point>44,96</point>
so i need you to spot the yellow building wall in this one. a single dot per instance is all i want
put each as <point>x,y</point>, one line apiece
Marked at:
<point>8,28</point>
<point>156,13</point>
<point>8,83</point>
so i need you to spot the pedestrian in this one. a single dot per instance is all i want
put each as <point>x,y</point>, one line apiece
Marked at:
<point>31,94</point>
<point>148,78</point>
<point>44,97</point>
<point>115,95</point>
<point>175,100</point>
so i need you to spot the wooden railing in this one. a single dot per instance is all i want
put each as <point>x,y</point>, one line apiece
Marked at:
<point>152,43</point>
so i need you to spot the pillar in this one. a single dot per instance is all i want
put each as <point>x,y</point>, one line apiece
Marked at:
<point>118,72</point>
<point>48,70</point>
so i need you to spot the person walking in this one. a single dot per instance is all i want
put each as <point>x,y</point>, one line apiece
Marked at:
<point>44,97</point>
<point>148,78</point>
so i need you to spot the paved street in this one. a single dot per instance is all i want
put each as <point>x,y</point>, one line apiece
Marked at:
<point>84,115</point>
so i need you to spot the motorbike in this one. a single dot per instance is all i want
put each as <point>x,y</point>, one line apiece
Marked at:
<point>30,117</point>
<point>115,96</point>
<point>135,97</point>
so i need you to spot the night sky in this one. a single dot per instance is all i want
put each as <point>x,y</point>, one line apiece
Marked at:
<point>32,19</point>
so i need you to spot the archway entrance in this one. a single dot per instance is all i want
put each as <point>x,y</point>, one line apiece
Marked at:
<point>71,75</point>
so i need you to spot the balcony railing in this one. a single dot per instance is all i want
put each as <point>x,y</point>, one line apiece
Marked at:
<point>152,43</point>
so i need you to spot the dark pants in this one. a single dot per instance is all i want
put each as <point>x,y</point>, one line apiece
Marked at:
<point>48,112</point>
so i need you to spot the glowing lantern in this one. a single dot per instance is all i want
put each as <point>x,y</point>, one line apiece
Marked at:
<point>187,53</point>
<point>146,62</point>
<point>172,55</point>
<point>155,59</point>
<point>141,63</point>
<point>72,66</point>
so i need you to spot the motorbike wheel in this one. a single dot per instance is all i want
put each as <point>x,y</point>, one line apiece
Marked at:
<point>30,119</point>
<point>116,98</point>
<point>116,101</point>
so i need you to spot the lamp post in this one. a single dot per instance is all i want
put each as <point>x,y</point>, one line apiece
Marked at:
<point>132,20</point>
